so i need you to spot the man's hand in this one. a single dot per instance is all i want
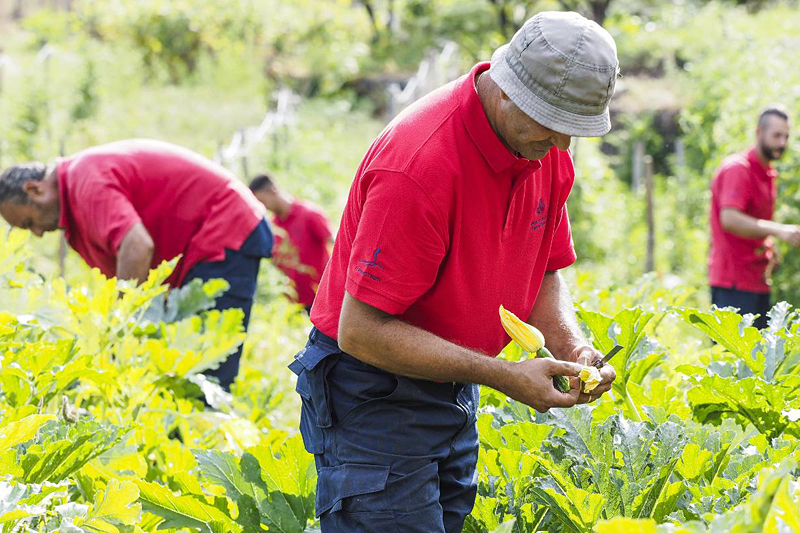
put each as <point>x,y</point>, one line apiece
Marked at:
<point>587,355</point>
<point>531,382</point>
<point>773,256</point>
<point>789,233</point>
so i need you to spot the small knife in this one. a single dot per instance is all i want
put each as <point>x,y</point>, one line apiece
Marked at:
<point>600,363</point>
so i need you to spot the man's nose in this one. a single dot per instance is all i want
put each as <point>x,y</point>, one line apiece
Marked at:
<point>561,141</point>
<point>37,231</point>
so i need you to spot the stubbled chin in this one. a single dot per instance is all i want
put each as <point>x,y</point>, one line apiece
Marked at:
<point>535,156</point>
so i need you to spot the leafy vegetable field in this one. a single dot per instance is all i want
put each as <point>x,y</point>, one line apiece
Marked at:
<point>103,426</point>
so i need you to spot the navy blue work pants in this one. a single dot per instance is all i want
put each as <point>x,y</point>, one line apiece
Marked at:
<point>755,303</point>
<point>393,454</point>
<point>240,270</point>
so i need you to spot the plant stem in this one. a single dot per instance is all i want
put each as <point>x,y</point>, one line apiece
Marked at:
<point>632,406</point>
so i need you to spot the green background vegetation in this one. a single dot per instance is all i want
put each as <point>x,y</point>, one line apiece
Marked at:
<point>193,72</point>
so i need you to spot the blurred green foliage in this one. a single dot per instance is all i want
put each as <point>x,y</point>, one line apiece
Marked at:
<point>194,72</point>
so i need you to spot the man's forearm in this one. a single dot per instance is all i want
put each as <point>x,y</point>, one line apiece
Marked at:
<point>744,225</point>
<point>383,341</point>
<point>554,315</point>
<point>133,264</point>
<point>401,348</point>
<point>135,254</point>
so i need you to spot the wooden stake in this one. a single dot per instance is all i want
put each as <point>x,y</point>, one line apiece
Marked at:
<point>651,223</point>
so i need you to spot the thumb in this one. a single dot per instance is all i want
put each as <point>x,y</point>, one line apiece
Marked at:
<point>562,368</point>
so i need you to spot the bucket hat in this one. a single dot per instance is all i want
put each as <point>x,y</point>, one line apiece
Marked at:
<point>560,69</point>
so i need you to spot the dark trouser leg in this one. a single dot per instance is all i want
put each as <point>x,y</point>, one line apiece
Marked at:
<point>241,273</point>
<point>393,454</point>
<point>764,306</point>
<point>746,301</point>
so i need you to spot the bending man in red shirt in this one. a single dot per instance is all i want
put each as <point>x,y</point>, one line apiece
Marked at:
<point>459,206</point>
<point>305,251</point>
<point>127,206</point>
<point>742,204</point>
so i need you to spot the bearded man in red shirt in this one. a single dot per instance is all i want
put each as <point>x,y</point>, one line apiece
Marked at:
<point>127,206</point>
<point>743,194</point>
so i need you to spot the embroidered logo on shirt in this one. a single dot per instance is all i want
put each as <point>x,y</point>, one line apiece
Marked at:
<point>541,212</point>
<point>374,261</point>
<point>370,263</point>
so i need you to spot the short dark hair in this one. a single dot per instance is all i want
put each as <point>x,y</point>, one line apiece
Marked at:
<point>773,110</point>
<point>261,182</point>
<point>13,179</point>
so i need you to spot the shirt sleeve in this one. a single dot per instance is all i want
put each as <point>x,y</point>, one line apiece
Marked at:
<point>109,212</point>
<point>734,187</point>
<point>562,252</point>
<point>399,245</point>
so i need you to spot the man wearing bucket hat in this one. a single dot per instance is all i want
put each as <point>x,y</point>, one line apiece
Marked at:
<point>458,207</point>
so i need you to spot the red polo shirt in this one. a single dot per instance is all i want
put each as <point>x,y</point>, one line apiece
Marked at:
<point>188,204</point>
<point>302,256</point>
<point>743,183</point>
<point>443,224</point>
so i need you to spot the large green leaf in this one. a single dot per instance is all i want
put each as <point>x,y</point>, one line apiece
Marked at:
<point>639,355</point>
<point>273,489</point>
<point>198,343</point>
<point>241,486</point>
<point>505,527</point>
<point>184,302</point>
<point>657,494</point>
<point>726,328</point>
<point>770,509</point>
<point>785,515</point>
<point>62,449</point>
<point>748,401</point>
<point>19,501</point>
<point>183,511</point>
<point>576,509</point>
<point>116,506</point>
<point>22,430</point>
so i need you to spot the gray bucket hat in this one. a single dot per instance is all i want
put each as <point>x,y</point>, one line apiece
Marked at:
<point>560,69</point>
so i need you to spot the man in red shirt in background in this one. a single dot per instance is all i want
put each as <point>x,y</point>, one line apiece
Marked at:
<point>742,204</point>
<point>458,206</point>
<point>127,206</point>
<point>305,251</point>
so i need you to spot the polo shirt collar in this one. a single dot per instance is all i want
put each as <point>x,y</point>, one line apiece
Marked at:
<point>765,171</point>
<point>63,197</point>
<point>500,158</point>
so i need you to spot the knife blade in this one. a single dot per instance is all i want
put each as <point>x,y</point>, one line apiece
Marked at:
<point>600,363</point>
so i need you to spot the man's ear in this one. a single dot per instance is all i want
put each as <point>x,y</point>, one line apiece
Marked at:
<point>33,188</point>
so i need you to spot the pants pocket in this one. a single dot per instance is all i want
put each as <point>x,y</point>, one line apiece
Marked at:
<point>352,487</point>
<point>355,385</point>
<point>311,366</point>
<point>407,503</point>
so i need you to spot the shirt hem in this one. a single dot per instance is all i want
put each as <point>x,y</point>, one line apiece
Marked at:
<point>562,261</point>
<point>373,298</point>
<point>740,287</point>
